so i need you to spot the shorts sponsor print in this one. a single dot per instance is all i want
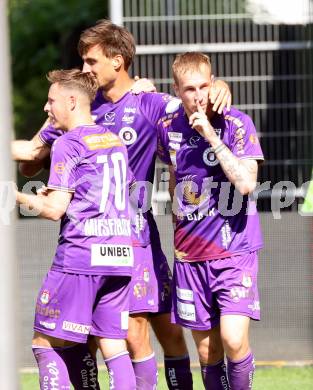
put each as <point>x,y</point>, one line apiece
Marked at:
<point>204,291</point>
<point>150,289</point>
<point>72,306</point>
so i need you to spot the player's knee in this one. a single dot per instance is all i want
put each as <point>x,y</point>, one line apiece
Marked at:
<point>233,344</point>
<point>210,354</point>
<point>173,341</point>
<point>138,340</point>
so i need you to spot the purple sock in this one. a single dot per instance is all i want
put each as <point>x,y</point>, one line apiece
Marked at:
<point>240,372</point>
<point>177,372</point>
<point>214,376</point>
<point>52,369</point>
<point>82,368</point>
<point>146,372</point>
<point>121,372</point>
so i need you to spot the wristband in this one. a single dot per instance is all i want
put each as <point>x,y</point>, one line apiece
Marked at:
<point>219,148</point>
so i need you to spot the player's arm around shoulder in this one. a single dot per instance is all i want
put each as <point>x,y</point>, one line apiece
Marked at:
<point>32,154</point>
<point>33,150</point>
<point>155,105</point>
<point>49,204</point>
<point>220,95</point>
<point>52,202</point>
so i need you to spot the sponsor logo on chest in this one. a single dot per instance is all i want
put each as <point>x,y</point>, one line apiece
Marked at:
<point>109,118</point>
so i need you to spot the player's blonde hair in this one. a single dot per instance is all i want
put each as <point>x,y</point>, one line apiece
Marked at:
<point>190,61</point>
<point>112,39</point>
<point>75,79</point>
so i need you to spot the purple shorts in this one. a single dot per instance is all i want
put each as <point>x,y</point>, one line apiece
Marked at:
<point>72,306</point>
<point>151,281</point>
<point>204,291</point>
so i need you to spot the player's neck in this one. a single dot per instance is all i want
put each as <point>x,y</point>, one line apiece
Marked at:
<point>119,88</point>
<point>83,119</point>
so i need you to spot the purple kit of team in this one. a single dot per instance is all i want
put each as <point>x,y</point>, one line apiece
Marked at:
<point>133,118</point>
<point>213,221</point>
<point>95,237</point>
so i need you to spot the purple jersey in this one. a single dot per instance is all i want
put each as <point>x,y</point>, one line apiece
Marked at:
<point>213,220</point>
<point>49,134</point>
<point>95,233</point>
<point>134,119</point>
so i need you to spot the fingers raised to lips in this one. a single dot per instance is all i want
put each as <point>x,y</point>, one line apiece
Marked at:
<point>199,108</point>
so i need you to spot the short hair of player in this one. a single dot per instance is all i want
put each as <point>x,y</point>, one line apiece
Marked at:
<point>188,62</point>
<point>75,79</point>
<point>112,39</point>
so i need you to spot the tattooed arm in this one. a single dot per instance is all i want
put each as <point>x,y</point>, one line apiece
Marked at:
<point>241,173</point>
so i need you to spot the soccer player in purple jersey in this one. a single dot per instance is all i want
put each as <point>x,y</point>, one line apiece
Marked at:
<point>214,158</point>
<point>108,51</point>
<point>86,291</point>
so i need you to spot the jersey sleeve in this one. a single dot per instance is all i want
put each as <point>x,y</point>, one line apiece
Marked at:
<point>65,157</point>
<point>49,134</point>
<point>163,143</point>
<point>155,105</point>
<point>244,140</point>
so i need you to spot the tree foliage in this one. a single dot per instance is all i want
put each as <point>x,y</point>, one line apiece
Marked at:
<point>44,36</point>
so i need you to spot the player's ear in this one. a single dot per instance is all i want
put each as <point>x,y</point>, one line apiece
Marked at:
<point>117,61</point>
<point>176,90</point>
<point>72,102</point>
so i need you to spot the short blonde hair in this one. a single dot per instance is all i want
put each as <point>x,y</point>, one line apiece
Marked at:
<point>189,61</point>
<point>75,79</point>
<point>112,39</point>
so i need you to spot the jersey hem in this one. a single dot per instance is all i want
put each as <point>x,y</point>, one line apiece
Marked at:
<point>225,256</point>
<point>91,272</point>
<point>61,335</point>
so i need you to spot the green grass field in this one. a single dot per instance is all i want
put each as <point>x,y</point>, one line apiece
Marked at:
<point>286,378</point>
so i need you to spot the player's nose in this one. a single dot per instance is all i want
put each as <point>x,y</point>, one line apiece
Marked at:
<point>46,107</point>
<point>198,96</point>
<point>86,68</point>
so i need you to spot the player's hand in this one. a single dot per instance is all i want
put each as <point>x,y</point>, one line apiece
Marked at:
<point>220,96</point>
<point>199,121</point>
<point>142,85</point>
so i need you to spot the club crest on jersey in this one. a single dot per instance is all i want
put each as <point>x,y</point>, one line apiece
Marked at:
<point>128,135</point>
<point>45,297</point>
<point>209,157</point>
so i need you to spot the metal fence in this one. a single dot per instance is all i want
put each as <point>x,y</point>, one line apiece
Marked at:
<point>268,66</point>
